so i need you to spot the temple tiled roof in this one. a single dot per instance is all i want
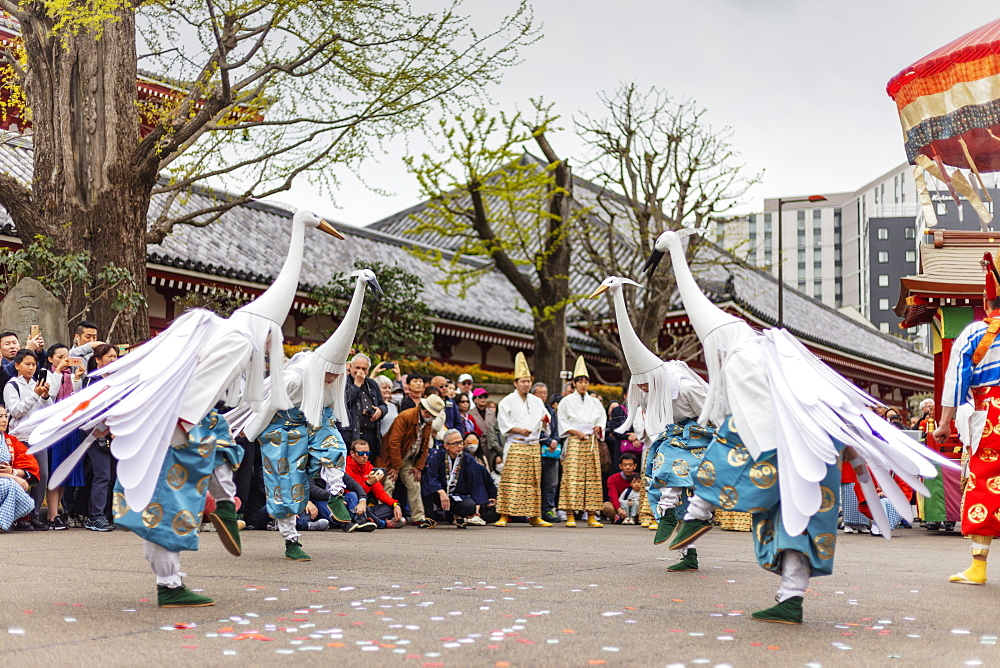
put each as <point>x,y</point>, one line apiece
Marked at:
<point>248,243</point>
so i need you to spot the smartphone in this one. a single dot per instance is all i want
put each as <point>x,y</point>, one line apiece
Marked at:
<point>34,332</point>
<point>74,361</point>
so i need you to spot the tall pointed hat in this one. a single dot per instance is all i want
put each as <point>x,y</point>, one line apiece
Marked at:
<point>521,369</point>
<point>580,369</point>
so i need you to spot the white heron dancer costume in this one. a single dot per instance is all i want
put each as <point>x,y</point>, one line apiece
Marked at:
<point>171,444</point>
<point>303,442</point>
<point>785,419</point>
<point>664,401</point>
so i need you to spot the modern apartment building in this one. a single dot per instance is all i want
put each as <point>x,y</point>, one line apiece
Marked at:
<point>850,250</point>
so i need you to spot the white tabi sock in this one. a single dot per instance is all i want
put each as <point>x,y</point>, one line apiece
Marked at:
<point>165,564</point>
<point>698,509</point>
<point>669,499</point>
<point>286,527</point>
<point>795,571</point>
<point>221,485</point>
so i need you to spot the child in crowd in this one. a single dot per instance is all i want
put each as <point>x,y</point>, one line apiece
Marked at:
<point>629,499</point>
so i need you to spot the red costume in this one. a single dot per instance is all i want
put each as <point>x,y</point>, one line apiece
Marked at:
<point>20,459</point>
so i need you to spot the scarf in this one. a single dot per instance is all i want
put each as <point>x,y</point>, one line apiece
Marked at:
<point>66,385</point>
<point>456,468</point>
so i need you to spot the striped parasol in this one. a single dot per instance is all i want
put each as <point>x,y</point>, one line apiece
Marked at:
<point>949,107</point>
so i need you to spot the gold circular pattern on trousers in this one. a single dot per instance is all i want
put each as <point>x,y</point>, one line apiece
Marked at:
<point>829,499</point>
<point>177,475</point>
<point>825,544</point>
<point>728,497</point>
<point>151,515</point>
<point>764,531</point>
<point>706,473</point>
<point>184,523</point>
<point>977,513</point>
<point>738,456</point>
<point>118,505</point>
<point>763,475</point>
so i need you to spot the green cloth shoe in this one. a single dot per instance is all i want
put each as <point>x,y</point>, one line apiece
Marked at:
<point>688,562</point>
<point>180,597</point>
<point>689,532</point>
<point>786,612</point>
<point>225,522</point>
<point>293,551</point>
<point>339,509</point>
<point>665,527</point>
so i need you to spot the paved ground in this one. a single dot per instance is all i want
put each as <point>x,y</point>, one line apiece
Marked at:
<point>518,596</point>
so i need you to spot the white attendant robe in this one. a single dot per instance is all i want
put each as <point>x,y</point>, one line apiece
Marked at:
<point>514,412</point>
<point>582,413</point>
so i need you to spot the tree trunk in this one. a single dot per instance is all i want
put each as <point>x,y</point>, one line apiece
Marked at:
<point>550,312</point>
<point>550,350</point>
<point>87,194</point>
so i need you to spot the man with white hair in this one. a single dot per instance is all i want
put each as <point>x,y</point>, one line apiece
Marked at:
<point>365,405</point>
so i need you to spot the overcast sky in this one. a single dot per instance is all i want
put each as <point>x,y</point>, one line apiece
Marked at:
<point>800,82</point>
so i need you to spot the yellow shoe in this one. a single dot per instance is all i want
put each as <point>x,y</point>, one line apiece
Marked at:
<point>974,575</point>
<point>644,524</point>
<point>592,522</point>
<point>502,522</point>
<point>571,520</point>
<point>538,522</point>
<point>654,525</point>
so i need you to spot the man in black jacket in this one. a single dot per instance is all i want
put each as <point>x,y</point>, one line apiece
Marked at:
<point>365,405</point>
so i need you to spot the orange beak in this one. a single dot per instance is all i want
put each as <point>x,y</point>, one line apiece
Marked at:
<point>329,229</point>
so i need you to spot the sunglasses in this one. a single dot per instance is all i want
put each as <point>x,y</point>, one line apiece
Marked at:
<point>362,453</point>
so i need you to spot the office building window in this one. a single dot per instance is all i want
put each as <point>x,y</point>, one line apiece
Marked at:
<point>883,327</point>
<point>883,280</point>
<point>911,256</point>
<point>883,233</point>
<point>909,233</point>
<point>883,305</point>
<point>802,285</point>
<point>883,257</point>
<point>818,289</point>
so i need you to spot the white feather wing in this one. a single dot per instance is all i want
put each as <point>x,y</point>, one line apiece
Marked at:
<point>138,398</point>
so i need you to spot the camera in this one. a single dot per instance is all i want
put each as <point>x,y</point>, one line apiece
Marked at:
<point>368,412</point>
<point>566,375</point>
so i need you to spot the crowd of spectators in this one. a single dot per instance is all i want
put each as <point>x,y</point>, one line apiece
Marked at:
<point>424,451</point>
